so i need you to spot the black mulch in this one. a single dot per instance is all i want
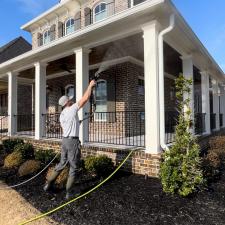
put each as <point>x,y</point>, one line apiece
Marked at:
<point>128,200</point>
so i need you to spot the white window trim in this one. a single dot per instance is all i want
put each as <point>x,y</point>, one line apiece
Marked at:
<point>69,86</point>
<point>104,119</point>
<point>65,29</point>
<point>94,14</point>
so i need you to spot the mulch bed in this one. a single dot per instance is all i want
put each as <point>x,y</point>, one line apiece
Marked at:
<point>127,200</point>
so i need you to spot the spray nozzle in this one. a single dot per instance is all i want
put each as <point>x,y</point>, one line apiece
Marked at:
<point>97,74</point>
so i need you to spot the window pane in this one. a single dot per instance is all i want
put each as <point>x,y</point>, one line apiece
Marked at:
<point>100,16</point>
<point>70,91</point>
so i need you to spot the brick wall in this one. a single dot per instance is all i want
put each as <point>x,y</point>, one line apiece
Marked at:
<point>24,99</point>
<point>57,89</point>
<point>112,8</point>
<point>139,163</point>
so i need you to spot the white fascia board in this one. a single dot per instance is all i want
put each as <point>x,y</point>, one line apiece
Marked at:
<point>46,13</point>
<point>85,30</point>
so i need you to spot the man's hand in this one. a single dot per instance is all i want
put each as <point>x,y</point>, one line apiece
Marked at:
<point>92,83</point>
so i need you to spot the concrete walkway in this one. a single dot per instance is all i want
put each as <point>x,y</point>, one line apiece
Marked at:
<point>14,209</point>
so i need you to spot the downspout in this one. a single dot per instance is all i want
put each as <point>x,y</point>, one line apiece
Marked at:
<point>161,82</point>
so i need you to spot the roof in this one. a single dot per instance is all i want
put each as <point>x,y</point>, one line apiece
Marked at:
<point>14,48</point>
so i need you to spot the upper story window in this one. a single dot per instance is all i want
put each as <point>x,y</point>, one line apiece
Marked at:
<point>69,26</point>
<point>100,12</point>
<point>46,37</point>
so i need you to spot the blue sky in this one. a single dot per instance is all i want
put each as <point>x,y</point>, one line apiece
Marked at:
<point>206,17</point>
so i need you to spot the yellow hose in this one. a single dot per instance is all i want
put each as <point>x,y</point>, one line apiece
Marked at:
<point>75,199</point>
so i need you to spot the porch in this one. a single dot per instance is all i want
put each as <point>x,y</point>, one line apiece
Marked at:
<point>126,47</point>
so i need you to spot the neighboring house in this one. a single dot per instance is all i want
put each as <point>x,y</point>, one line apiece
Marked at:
<point>12,49</point>
<point>136,104</point>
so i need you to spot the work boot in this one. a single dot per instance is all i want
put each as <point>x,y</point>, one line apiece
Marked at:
<point>47,186</point>
<point>68,195</point>
<point>69,183</point>
<point>50,181</point>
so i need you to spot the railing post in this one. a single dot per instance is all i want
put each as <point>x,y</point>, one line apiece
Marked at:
<point>12,103</point>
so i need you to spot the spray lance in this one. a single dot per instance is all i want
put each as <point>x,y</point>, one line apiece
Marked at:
<point>93,94</point>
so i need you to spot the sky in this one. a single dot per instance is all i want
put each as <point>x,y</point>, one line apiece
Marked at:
<point>206,18</point>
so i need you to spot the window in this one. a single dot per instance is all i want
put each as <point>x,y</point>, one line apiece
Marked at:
<point>3,104</point>
<point>100,12</point>
<point>101,100</point>
<point>46,37</point>
<point>70,90</point>
<point>141,86</point>
<point>69,27</point>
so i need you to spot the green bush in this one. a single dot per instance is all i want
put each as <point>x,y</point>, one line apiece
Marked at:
<point>61,180</point>
<point>26,150</point>
<point>14,159</point>
<point>9,144</point>
<point>45,156</point>
<point>99,165</point>
<point>29,167</point>
<point>180,170</point>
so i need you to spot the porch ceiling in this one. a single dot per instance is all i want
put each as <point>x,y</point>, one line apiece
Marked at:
<point>3,86</point>
<point>130,46</point>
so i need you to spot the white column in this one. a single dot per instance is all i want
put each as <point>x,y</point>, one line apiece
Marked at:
<point>152,135</point>
<point>12,103</point>
<point>188,73</point>
<point>222,101</point>
<point>216,103</point>
<point>205,101</point>
<point>82,81</point>
<point>40,99</point>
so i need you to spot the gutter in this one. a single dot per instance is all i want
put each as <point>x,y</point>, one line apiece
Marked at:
<point>161,82</point>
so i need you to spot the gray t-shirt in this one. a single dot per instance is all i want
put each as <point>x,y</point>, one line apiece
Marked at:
<point>69,121</point>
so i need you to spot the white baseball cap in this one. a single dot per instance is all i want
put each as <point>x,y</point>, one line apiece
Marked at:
<point>64,99</point>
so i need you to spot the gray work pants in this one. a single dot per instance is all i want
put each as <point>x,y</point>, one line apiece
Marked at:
<point>70,153</point>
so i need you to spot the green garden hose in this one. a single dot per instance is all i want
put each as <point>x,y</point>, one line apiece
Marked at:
<point>79,197</point>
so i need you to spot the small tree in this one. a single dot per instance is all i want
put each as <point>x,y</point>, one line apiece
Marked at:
<point>181,167</point>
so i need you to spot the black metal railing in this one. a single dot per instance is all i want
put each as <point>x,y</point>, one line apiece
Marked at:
<point>199,122</point>
<point>52,127</point>
<point>25,124</point>
<point>221,119</point>
<point>3,126</point>
<point>171,119</point>
<point>119,128</point>
<point>213,121</point>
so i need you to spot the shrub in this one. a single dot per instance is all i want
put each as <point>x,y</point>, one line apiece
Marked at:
<point>9,144</point>
<point>61,179</point>
<point>14,159</point>
<point>212,164</point>
<point>99,165</point>
<point>29,167</point>
<point>181,167</point>
<point>45,156</point>
<point>26,150</point>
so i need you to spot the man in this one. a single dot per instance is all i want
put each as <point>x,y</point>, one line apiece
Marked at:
<point>70,152</point>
